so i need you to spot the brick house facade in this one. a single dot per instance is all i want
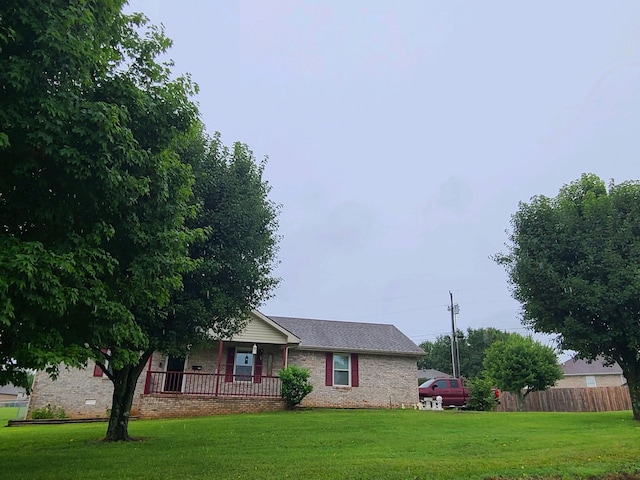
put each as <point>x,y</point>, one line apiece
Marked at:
<point>352,365</point>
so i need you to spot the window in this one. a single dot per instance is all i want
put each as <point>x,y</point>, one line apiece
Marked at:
<point>244,365</point>
<point>340,369</point>
<point>591,381</point>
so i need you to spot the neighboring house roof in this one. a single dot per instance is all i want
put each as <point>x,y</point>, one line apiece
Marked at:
<point>579,366</point>
<point>333,335</point>
<point>430,373</point>
<point>12,390</point>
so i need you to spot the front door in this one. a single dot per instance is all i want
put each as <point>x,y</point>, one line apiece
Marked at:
<point>174,375</point>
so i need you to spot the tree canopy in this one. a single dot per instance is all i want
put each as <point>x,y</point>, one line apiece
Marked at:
<point>120,220</point>
<point>521,365</point>
<point>472,347</point>
<point>573,263</point>
<point>88,122</point>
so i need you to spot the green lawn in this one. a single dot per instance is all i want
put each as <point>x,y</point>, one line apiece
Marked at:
<point>333,444</point>
<point>8,413</point>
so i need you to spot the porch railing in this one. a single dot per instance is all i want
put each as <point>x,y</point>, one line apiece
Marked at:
<point>212,384</point>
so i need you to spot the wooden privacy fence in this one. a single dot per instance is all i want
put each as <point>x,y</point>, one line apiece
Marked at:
<point>593,399</point>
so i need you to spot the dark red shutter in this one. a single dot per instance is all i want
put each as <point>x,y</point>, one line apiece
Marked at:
<point>257,368</point>
<point>97,371</point>
<point>228,371</point>
<point>328,373</point>
<point>355,379</point>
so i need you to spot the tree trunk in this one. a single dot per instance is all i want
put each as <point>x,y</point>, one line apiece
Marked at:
<point>633,382</point>
<point>124,386</point>
<point>628,361</point>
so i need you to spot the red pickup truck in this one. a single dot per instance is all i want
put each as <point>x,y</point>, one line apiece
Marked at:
<point>452,391</point>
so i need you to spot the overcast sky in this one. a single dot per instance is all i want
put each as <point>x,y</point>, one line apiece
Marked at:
<point>401,136</point>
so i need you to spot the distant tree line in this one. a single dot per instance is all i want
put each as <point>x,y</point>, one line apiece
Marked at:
<point>472,345</point>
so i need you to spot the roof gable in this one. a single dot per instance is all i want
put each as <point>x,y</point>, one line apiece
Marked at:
<point>333,335</point>
<point>261,328</point>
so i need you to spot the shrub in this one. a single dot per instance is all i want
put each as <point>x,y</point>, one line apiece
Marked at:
<point>295,384</point>
<point>48,413</point>
<point>481,395</point>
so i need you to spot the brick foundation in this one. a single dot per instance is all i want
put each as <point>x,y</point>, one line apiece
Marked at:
<point>172,406</point>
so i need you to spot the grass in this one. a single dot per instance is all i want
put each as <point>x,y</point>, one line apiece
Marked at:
<point>8,413</point>
<point>333,444</point>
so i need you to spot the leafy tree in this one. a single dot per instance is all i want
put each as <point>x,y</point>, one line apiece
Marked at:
<point>101,153</point>
<point>573,263</point>
<point>237,254</point>
<point>521,365</point>
<point>233,261</point>
<point>93,197</point>
<point>295,384</point>
<point>472,347</point>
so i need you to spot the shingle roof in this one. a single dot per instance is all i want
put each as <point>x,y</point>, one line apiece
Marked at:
<point>333,335</point>
<point>12,390</point>
<point>575,366</point>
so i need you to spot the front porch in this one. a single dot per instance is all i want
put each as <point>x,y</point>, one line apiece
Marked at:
<point>211,384</point>
<point>246,365</point>
<point>234,375</point>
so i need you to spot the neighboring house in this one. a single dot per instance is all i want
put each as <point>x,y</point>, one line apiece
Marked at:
<point>352,365</point>
<point>580,373</point>
<point>430,373</point>
<point>11,393</point>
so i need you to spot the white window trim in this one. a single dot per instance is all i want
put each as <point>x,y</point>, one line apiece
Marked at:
<point>348,370</point>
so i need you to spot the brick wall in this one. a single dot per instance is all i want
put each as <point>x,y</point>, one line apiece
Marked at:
<point>173,406</point>
<point>579,381</point>
<point>384,382</point>
<point>77,391</point>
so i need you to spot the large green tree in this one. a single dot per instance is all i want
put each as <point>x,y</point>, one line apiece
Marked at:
<point>93,196</point>
<point>231,274</point>
<point>573,262</point>
<point>101,152</point>
<point>472,347</point>
<point>521,365</point>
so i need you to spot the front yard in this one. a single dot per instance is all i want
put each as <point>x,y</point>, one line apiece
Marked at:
<point>333,444</point>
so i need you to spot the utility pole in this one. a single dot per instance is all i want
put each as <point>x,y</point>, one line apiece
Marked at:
<point>455,353</point>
